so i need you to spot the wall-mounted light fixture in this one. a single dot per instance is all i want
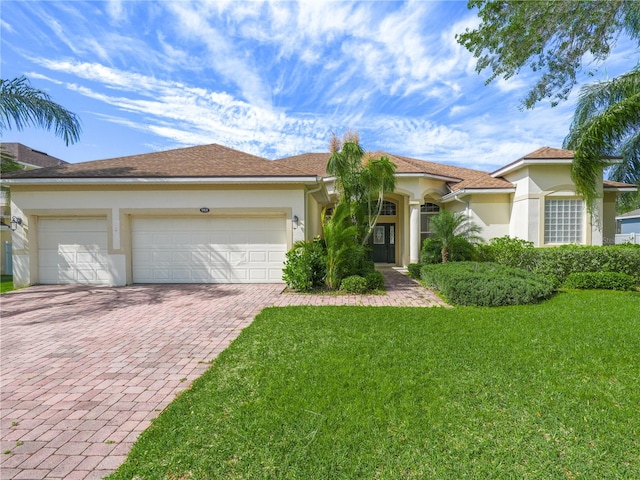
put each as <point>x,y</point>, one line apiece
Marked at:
<point>15,221</point>
<point>296,221</point>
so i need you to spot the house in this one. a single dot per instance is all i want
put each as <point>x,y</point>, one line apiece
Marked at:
<point>628,227</point>
<point>211,214</point>
<point>28,159</point>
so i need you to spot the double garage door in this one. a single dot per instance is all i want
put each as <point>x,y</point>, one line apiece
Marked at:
<point>166,250</point>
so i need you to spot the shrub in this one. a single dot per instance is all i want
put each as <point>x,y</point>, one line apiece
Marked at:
<point>600,280</point>
<point>460,251</point>
<point>414,270</point>
<point>487,284</point>
<point>513,252</point>
<point>565,260</point>
<point>375,280</point>
<point>305,266</point>
<point>354,284</point>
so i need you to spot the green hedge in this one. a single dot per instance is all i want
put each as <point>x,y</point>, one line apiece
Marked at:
<point>600,280</point>
<point>354,284</point>
<point>564,260</point>
<point>487,284</point>
<point>414,270</point>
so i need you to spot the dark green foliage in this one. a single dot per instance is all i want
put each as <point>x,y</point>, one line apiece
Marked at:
<point>305,266</point>
<point>460,250</point>
<point>354,284</point>
<point>487,284</point>
<point>375,281</point>
<point>600,280</point>
<point>414,270</point>
<point>359,263</point>
<point>563,261</point>
<point>510,251</point>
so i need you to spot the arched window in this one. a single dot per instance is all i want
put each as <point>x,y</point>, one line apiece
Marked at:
<point>427,211</point>
<point>388,208</point>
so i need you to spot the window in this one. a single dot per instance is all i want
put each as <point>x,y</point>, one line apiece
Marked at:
<point>563,221</point>
<point>427,211</point>
<point>388,208</point>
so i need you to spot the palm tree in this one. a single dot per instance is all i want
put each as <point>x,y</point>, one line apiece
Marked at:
<point>340,238</point>
<point>361,183</point>
<point>606,122</point>
<point>455,232</point>
<point>22,105</point>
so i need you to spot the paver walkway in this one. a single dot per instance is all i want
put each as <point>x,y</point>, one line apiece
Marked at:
<point>84,370</point>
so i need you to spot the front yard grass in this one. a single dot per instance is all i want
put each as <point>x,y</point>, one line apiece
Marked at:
<point>539,391</point>
<point>6,283</point>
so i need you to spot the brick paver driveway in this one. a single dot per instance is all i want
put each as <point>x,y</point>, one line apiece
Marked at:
<point>84,370</point>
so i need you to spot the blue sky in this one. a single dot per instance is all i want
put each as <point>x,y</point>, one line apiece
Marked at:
<point>275,79</point>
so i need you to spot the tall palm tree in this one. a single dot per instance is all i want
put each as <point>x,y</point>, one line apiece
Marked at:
<point>22,105</point>
<point>361,182</point>
<point>455,232</point>
<point>606,122</point>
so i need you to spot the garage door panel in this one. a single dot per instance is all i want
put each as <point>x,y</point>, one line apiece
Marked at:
<point>73,250</point>
<point>208,250</point>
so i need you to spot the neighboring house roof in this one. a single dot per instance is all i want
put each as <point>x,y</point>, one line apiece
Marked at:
<point>629,215</point>
<point>30,157</point>
<point>202,161</point>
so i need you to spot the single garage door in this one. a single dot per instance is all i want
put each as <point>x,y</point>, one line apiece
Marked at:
<point>208,250</point>
<point>73,250</point>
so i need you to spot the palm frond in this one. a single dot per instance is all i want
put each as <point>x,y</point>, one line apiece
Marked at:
<point>21,105</point>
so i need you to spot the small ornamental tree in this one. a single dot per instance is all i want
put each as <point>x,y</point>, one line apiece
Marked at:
<point>454,231</point>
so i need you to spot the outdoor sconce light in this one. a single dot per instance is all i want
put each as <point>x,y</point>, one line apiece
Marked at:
<point>15,221</point>
<point>296,221</point>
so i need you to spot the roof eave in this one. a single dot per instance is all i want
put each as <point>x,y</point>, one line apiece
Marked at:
<point>428,175</point>
<point>464,192</point>
<point>311,179</point>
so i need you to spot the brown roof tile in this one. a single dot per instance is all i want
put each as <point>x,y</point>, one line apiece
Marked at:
<point>202,161</point>
<point>315,163</point>
<point>28,155</point>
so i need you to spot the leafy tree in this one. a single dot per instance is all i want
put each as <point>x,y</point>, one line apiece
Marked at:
<point>454,231</point>
<point>606,122</point>
<point>549,37</point>
<point>553,38</point>
<point>22,105</point>
<point>340,240</point>
<point>361,182</point>
<point>8,162</point>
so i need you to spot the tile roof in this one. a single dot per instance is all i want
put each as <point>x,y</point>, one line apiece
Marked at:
<point>459,177</point>
<point>202,161</point>
<point>610,183</point>
<point>549,153</point>
<point>28,155</point>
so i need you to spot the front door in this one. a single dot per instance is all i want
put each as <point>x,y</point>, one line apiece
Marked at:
<point>383,243</point>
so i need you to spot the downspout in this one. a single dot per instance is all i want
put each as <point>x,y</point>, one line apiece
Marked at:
<point>306,204</point>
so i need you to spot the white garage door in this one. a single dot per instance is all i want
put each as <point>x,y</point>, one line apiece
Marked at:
<point>208,250</point>
<point>73,250</point>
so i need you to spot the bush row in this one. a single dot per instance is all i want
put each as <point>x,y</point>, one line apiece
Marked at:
<point>564,260</point>
<point>600,280</point>
<point>487,284</point>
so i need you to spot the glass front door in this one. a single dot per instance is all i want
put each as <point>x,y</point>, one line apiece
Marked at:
<point>383,243</point>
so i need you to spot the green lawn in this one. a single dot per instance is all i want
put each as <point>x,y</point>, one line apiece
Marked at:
<point>544,391</point>
<point>6,283</point>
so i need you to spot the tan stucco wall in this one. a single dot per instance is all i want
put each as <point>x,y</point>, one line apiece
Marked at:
<point>534,184</point>
<point>118,204</point>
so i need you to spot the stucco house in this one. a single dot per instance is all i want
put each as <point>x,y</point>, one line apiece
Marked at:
<point>28,159</point>
<point>211,214</point>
